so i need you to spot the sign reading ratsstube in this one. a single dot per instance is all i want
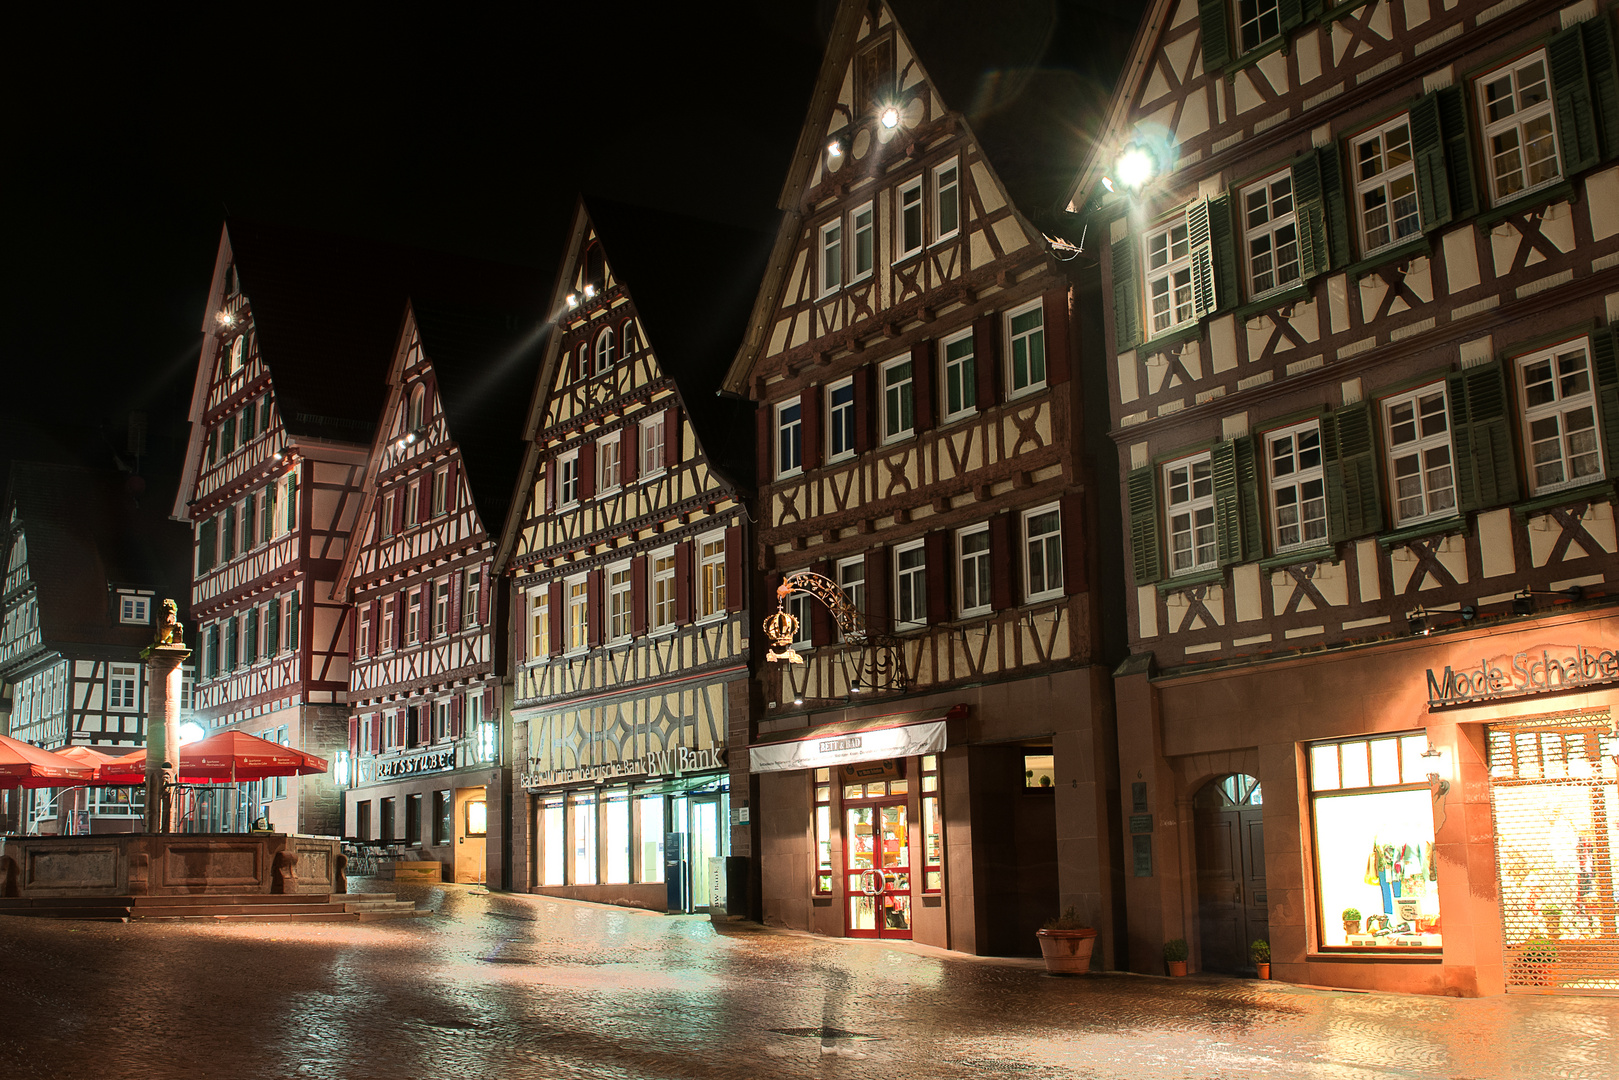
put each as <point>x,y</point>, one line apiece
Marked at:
<point>677,759</point>
<point>1533,671</point>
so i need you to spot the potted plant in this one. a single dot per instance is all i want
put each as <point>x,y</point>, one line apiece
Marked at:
<point>1175,956</point>
<point>1351,920</point>
<point>1066,943</point>
<point>1260,951</point>
<point>1552,915</point>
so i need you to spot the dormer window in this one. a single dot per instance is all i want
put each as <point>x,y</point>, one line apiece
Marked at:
<point>605,352</point>
<point>134,610</point>
<point>418,406</point>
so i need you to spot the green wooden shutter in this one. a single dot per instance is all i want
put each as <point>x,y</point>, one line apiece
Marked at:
<point>1142,493</point>
<point>1337,207</point>
<point>1126,298</point>
<point>1205,295</point>
<point>1216,36</point>
<point>1349,450</point>
<point>1253,526</point>
<point>1454,124</point>
<point>1225,253</point>
<point>1481,435</point>
<point>1605,364</point>
<point>1292,14</point>
<point>1313,8</point>
<point>1311,214</point>
<point>1428,146</point>
<point>1571,92</point>
<point>1236,501</point>
<point>1597,35</point>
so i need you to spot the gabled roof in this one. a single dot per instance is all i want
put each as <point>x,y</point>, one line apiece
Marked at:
<point>89,530</point>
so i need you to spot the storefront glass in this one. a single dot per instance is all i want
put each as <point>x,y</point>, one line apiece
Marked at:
<point>582,825</point>
<point>650,827</point>
<point>823,830</point>
<point>932,827</point>
<point>553,845</point>
<point>1374,832</point>
<point>616,836</point>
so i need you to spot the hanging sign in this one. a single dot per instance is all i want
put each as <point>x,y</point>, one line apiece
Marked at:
<point>819,752</point>
<point>1535,670</point>
<point>870,771</point>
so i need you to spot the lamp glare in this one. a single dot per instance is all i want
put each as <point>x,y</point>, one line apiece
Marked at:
<point>835,148</point>
<point>890,118</point>
<point>573,301</point>
<point>1135,168</point>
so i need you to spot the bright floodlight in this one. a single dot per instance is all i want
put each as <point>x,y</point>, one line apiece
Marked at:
<point>573,301</point>
<point>590,291</point>
<point>890,117</point>
<point>835,148</point>
<point>190,731</point>
<point>1135,167</point>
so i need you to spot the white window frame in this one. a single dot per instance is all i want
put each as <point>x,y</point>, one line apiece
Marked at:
<point>576,626</point>
<point>134,610</point>
<point>1045,550</point>
<point>441,720</point>
<point>606,350</point>
<point>1565,400</point>
<point>1278,231</point>
<point>1026,339</point>
<point>798,605</point>
<point>539,622</point>
<point>1395,185</point>
<point>711,583</point>
<point>413,617</point>
<point>977,568</point>
<point>620,621</point>
<point>568,478</point>
<point>385,635</point>
<point>469,597</point>
<point>840,415</point>
<point>651,445</point>
<point>830,262</point>
<point>441,607</point>
<point>790,437</point>
<point>862,242</point>
<point>854,589</point>
<point>959,374</point>
<point>362,641</point>
<point>661,591</point>
<point>1295,471</point>
<point>387,529</point>
<point>413,504</point>
<point>906,200</point>
<point>1197,500</point>
<point>123,687</point>
<point>1422,446</point>
<point>1263,15</point>
<point>910,582</point>
<point>609,463</point>
<point>1174,269</point>
<point>1514,123</point>
<point>903,391</point>
<point>946,191</point>
<point>441,491</point>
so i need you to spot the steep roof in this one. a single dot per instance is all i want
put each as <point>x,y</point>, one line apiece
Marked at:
<point>87,531</point>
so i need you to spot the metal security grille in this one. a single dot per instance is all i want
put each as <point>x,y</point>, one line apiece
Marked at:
<point>1554,788</point>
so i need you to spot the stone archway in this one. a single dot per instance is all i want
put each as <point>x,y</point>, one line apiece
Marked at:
<point>1229,828</point>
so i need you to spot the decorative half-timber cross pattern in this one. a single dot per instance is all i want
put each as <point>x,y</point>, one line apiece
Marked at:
<point>1571,520</point>
<point>1281,329</point>
<point>1394,278</point>
<point>1304,588</point>
<point>1354,30</point>
<point>1027,422</point>
<point>1197,610</point>
<point>1174,81</point>
<point>1531,239</point>
<point>1174,369</point>
<point>1428,565</point>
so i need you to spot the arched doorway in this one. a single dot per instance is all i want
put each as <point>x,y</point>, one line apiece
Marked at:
<point>1228,817</point>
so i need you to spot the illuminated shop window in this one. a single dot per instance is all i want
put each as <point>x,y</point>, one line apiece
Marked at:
<point>1039,770</point>
<point>649,850</point>
<point>932,826</point>
<point>823,830</point>
<point>554,845</point>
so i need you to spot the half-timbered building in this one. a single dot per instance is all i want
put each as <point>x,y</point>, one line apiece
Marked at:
<point>425,683</point>
<point>91,558</point>
<point>625,555</point>
<point>1365,272</point>
<point>933,758</point>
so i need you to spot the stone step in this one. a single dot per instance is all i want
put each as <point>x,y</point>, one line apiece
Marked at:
<point>100,908</point>
<point>258,917</point>
<point>188,911</point>
<point>209,899</point>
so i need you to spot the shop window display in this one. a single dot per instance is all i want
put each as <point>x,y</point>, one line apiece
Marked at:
<point>554,846</point>
<point>1374,832</point>
<point>877,846</point>
<point>823,831</point>
<point>932,827</point>
<point>649,854</point>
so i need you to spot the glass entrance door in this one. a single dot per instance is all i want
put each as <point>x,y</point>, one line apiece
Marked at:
<point>877,870</point>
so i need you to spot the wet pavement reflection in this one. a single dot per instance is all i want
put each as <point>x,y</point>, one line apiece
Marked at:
<point>518,986</point>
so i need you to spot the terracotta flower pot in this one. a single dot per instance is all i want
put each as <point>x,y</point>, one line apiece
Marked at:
<point>1067,952</point>
<point>1176,967</point>
<point>1351,926</point>
<point>1264,969</point>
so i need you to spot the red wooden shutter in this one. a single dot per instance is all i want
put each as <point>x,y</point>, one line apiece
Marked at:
<point>922,384</point>
<point>629,451</point>
<point>451,485</point>
<point>683,605</point>
<point>401,602</point>
<point>399,509</point>
<point>810,412</point>
<point>638,596</point>
<point>550,485</point>
<point>1056,319</point>
<point>764,425</point>
<point>587,471</point>
<point>489,704</point>
<point>986,358</point>
<point>1002,563</point>
<point>457,584</point>
<point>939,576</point>
<point>424,501</point>
<point>821,623</point>
<point>1075,575</point>
<point>523,625</point>
<point>354,736</point>
<point>865,409</point>
<point>733,568</point>
<point>879,591</point>
<point>456,726</point>
<point>485,588</point>
<point>593,608</point>
<point>555,614</point>
<point>671,437</point>
<point>424,722</point>
<point>426,602</point>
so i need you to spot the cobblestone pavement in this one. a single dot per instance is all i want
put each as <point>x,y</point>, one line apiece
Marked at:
<point>506,986</point>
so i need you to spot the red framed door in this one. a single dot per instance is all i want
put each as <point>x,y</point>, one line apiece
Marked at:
<point>877,869</point>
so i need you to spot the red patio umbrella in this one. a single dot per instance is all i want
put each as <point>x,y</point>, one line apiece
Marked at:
<point>226,758</point>
<point>26,765</point>
<point>88,756</point>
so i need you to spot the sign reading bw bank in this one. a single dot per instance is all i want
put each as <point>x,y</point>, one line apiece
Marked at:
<point>1532,671</point>
<point>676,759</point>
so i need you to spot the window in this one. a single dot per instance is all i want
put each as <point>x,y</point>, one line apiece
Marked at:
<point>441,486</point>
<point>1298,490</point>
<point>230,644</point>
<point>568,482</point>
<point>631,337</point>
<point>798,606</point>
<point>211,653</point>
<point>1042,550</point>
<point>413,504</point>
<point>1189,492</point>
<point>973,582</point>
<point>250,521</point>
<point>910,585</point>
<point>388,614</point>
<point>1419,454</point>
<point>267,514</point>
<point>238,353</point>
<point>615,825</point>
<point>582,818</point>
<point>899,401</point>
<point>831,256</point>
<point>1026,341</point>
<point>413,617</point>
<point>946,201</point>
<point>960,385</point>
<point>1169,276</point>
<point>362,642</point>
<point>618,603</point>
<point>932,826</point>
<point>605,350</point>
<point>1271,233</point>
<point>1520,140</point>
<point>910,219</point>
<point>852,580</point>
<point>418,406</point>
<point>582,363</point>
<point>874,77</point>
<point>121,686</point>
<point>578,615</point>
<point>292,621</point>
<point>860,226</point>
<point>609,464</point>
<point>840,419</point>
<point>388,515</point>
<point>227,533</point>
<point>135,610</point>
<point>1372,812</point>
<point>789,439</point>
<point>663,590</point>
<point>1386,185</point>
<point>288,497</point>
<point>539,621</point>
<point>1040,770</point>
<point>1257,22</point>
<point>711,576</point>
<point>823,831</point>
<point>227,435</point>
<point>1560,429</point>
<point>469,602</point>
<point>652,444</point>
<point>272,627</point>
<point>441,720</point>
<point>441,607</point>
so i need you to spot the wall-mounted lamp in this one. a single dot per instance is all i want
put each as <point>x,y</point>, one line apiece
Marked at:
<point>838,146</point>
<point>590,292</point>
<point>573,301</point>
<point>889,118</point>
<point>1423,622</point>
<point>1438,765</point>
<point>1524,602</point>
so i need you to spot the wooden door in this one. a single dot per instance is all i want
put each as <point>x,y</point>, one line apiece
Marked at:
<point>1229,828</point>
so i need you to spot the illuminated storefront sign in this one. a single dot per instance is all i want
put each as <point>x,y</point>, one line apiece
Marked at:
<point>430,762</point>
<point>677,759</point>
<point>1533,671</point>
